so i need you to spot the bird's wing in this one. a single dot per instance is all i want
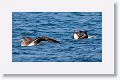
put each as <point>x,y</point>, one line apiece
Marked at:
<point>51,40</point>
<point>44,38</point>
<point>79,34</point>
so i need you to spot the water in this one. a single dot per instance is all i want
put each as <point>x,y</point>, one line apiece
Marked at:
<point>60,26</point>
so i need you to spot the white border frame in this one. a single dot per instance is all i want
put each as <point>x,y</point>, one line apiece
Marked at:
<point>104,67</point>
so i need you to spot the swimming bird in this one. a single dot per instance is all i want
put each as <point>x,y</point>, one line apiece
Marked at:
<point>80,34</point>
<point>28,41</point>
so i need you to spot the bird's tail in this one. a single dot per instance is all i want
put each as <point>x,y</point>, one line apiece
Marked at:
<point>92,36</point>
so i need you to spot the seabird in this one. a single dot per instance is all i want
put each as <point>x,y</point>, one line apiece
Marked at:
<point>80,35</point>
<point>28,41</point>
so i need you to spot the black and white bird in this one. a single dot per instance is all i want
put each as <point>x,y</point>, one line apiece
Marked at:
<point>81,35</point>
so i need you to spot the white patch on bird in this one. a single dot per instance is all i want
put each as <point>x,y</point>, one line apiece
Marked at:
<point>23,44</point>
<point>31,44</point>
<point>76,36</point>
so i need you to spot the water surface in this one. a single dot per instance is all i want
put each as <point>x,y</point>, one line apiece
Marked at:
<point>60,26</point>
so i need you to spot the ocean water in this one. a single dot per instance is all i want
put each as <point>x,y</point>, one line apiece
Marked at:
<point>60,26</point>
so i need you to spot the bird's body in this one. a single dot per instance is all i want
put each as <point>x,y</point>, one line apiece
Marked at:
<point>80,35</point>
<point>27,41</point>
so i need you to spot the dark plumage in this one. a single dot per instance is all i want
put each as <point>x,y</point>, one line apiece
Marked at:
<point>27,41</point>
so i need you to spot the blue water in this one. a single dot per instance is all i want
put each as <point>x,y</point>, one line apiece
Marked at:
<point>60,26</point>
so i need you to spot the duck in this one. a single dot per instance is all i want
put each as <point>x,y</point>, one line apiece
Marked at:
<point>80,34</point>
<point>28,41</point>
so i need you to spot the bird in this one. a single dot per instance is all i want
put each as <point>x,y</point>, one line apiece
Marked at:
<point>28,41</point>
<point>80,34</point>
